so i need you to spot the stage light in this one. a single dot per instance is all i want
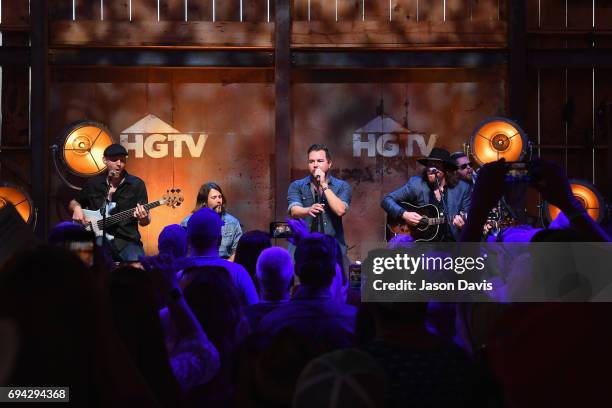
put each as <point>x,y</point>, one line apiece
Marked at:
<point>79,149</point>
<point>587,195</point>
<point>82,147</point>
<point>497,138</point>
<point>11,193</point>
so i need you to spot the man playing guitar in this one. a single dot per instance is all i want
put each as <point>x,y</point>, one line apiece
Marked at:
<point>439,187</point>
<point>125,191</point>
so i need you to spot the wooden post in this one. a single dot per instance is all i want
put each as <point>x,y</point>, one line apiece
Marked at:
<point>517,67</point>
<point>282,114</point>
<point>39,114</point>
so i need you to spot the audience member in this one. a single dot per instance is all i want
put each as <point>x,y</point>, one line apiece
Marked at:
<point>423,370</point>
<point>218,307</point>
<point>312,312</point>
<point>275,277</point>
<point>250,246</point>
<point>344,378</point>
<point>66,334</point>
<point>135,314</point>
<point>173,240</point>
<point>203,236</point>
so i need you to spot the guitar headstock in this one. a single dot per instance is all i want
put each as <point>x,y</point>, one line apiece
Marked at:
<point>173,198</point>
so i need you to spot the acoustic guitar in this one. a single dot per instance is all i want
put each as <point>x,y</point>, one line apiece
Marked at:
<point>428,229</point>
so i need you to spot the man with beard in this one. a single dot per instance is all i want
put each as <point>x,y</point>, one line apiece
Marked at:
<point>320,199</point>
<point>126,191</point>
<point>464,167</point>
<point>211,196</point>
<point>437,186</point>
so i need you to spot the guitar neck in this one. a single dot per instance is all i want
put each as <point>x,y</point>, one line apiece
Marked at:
<point>127,214</point>
<point>436,221</point>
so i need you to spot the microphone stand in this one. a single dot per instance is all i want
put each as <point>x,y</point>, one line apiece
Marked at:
<point>318,200</point>
<point>444,207</point>
<point>103,212</point>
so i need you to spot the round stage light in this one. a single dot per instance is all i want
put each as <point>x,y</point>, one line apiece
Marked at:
<point>82,148</point>
<point>587,195</point>
<point>11,193</point>
<point>497,138</point>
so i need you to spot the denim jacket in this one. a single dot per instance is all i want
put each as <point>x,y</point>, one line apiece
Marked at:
<point>418,192</point>
<point>230,234</point>
<point>300,194</point>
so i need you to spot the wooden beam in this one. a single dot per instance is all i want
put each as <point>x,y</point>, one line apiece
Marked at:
<point>14,55</point>
<point>398,59</point>
<point>145,33</point>
<point>397,33</point>
<point>167,57</point>
<point>39,115</point>
<point>282,114</point>
<point>517,67</point>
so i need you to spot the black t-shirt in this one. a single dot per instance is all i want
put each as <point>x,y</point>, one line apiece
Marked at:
<point>130,192</point>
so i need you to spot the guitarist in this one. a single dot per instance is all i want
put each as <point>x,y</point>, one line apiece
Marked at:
<point>116,185</point>
<point>437,185</point>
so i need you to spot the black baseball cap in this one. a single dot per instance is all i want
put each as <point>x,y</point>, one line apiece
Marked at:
<point>115,150</point>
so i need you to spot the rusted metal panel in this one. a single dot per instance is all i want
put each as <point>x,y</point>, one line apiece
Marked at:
<point>237,151</point>
<point>347,119</point>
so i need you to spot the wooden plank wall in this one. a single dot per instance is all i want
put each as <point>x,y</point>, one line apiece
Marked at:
<point>572,99</point>
<point>316,23</point>
<point>398,23</point>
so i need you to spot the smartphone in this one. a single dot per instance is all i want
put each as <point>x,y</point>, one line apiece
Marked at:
<point>280,230</point>
<point>83,249</point>
<point>518,172</point>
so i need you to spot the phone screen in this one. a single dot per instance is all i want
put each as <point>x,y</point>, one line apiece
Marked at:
<point>84,250</point>
<point>280,230</point>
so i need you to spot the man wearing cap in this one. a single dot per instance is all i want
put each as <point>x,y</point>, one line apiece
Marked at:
<point>203,237</point>
<point>433,186</point>
<point>127,192</point>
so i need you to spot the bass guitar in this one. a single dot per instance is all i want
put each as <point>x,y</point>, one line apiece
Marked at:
<point>173,198</point>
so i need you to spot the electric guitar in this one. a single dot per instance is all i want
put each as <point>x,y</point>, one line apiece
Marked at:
<point>173,198</point>
<point>428,229</point>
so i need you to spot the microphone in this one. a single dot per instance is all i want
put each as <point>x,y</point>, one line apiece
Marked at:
<point>112,173</point>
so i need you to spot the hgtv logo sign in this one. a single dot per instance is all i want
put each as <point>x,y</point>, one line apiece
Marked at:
<point>155,138</point>
<point>383,136</point>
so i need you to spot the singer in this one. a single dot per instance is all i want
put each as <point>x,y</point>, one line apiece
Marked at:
<point>438,185</point>
<point>320,199</point>
<point>114,191</point>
